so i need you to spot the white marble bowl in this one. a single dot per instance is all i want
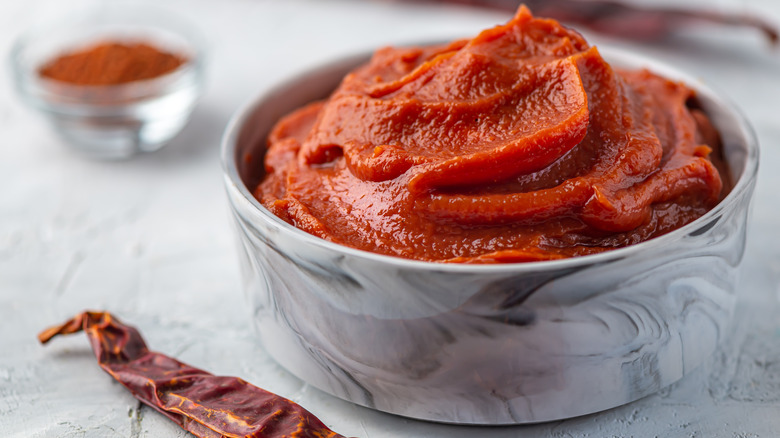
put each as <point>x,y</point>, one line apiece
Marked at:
<point>486,344</point>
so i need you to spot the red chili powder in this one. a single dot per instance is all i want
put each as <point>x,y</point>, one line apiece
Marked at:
<point>111,63</point>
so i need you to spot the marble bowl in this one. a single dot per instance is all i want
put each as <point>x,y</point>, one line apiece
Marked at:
<point>486,344</point>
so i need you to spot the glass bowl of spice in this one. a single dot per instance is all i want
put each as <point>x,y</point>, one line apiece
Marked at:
<point>115,82</point>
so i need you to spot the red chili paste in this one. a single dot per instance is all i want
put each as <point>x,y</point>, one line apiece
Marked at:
<point>521,144</point>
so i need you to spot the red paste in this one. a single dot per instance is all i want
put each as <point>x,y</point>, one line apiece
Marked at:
<point>521,144</point>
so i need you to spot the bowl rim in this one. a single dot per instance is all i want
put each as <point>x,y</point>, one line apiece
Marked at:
<point>744,183</point>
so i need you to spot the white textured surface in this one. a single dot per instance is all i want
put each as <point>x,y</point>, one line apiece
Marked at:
<point>150,238</point>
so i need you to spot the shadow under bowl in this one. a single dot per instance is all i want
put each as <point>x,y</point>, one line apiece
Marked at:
<point>487,344</point>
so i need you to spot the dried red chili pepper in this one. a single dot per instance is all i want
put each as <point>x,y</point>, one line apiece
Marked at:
<point>200,402</point>
<point>628,20</point>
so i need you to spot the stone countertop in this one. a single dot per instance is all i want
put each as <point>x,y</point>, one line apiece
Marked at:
<point>150,238</point>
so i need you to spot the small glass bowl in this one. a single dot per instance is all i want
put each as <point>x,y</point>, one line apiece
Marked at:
<point>114,121</point>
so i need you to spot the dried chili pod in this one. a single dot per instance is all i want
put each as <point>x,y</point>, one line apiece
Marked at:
<point>200,402</point>
<point>626,19</point>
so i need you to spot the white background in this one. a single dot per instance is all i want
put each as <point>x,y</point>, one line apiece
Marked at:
<point>150,238</point>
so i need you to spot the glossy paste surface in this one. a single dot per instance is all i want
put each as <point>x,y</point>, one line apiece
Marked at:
<point>520,144</point>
